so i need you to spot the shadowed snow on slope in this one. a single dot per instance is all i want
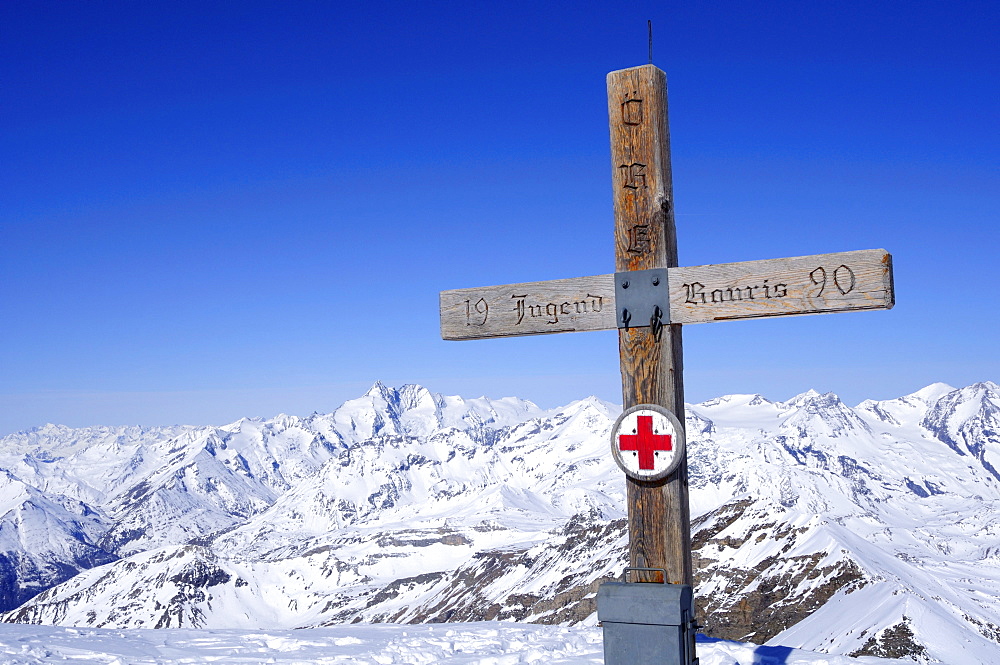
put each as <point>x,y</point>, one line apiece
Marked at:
<point>44,540</point>
<point>968,420</point>
<point>408,506</point>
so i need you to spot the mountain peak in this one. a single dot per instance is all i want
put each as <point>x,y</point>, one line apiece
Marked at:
<point>987,386</point>
<point>748,399</point>
<point>811,396</point>
<point>932,393</point>
<point>378,389</point>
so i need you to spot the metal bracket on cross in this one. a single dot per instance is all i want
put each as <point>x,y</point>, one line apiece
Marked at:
<point>642,298</point>
<point>662,573</point>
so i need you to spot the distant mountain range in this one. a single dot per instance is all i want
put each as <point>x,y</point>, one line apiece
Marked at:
<point>872,530</point>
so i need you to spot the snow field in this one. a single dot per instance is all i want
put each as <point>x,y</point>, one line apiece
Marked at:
<point>485,643</point>
<point>409,506</point>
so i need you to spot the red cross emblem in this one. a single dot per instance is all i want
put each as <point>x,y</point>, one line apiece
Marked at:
<point>645,442</point>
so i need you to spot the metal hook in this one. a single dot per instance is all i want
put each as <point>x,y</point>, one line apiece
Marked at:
<point>626,317</point>
<point>656,323</point>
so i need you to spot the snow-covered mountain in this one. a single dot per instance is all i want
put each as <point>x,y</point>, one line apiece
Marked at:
<point>869,530</point>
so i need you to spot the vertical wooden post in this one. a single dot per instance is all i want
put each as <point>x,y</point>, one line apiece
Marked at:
<point>652,369</point>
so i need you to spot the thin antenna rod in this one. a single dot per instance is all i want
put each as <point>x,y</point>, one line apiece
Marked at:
<point>649,26</point>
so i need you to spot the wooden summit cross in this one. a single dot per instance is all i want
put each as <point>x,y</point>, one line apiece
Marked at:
<point>650,298</point>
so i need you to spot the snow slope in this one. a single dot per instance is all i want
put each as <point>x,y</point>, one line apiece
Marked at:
<point>492,643</point>
<point>871,530</point>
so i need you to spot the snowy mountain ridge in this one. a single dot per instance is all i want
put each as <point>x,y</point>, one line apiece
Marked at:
<point>866,530</point>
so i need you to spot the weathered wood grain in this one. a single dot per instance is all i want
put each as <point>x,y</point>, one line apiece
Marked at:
<point>533,308</point>
<point>651,364</point>
<point>817,284</point>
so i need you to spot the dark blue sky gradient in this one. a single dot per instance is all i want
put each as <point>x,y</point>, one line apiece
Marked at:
<point>211,210</point>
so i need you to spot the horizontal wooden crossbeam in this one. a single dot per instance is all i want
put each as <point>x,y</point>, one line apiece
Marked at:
<point>818,284</point>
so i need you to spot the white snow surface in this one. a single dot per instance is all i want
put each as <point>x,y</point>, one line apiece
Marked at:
<point>483,643</point>
<point>408,506</point>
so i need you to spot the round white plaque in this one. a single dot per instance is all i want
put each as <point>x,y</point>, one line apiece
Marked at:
<point>647,442</point>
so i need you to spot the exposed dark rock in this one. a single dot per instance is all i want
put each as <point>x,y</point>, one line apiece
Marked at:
<point>773,604</point>
<point>200,575</point>
<point>117,537</point>
<point>893,642</point>
<point>22,578</point>
<point>401,586</point>
<point>711,524</point>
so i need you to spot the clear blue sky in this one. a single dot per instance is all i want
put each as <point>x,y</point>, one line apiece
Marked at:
<point>211,210</point>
